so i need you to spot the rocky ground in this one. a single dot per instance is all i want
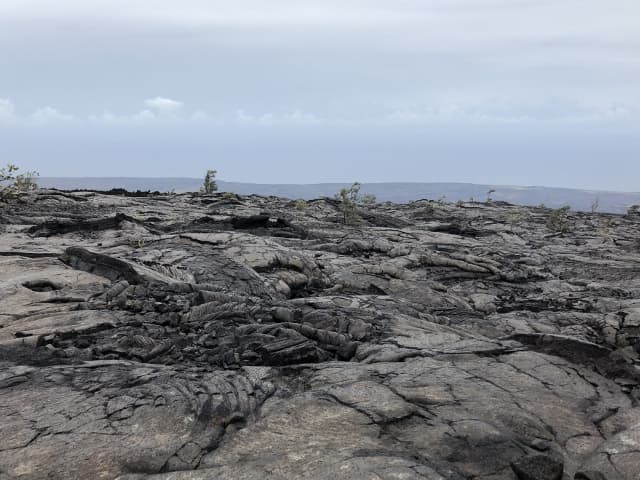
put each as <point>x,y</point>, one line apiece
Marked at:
<point>192,337</point>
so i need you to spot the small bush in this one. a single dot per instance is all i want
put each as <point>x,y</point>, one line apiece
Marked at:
<point>515,219</point>
<point>13,184</point>
<point>558,220</point>
<point>229,196</point>
<point>605,226</point>
<point>350,199</point>
<point>209,185</point>
<point>368,200</point>
<point>300,205</point>
<point>427,209</point>
<point>489,193</point>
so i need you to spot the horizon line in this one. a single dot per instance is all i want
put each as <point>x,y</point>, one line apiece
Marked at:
<point>594,190</point>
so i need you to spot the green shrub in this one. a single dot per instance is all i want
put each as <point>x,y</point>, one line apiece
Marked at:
<point>558,220</point>
<point>368,200</point>
<point>13,184</point>
<point>350,200</point>
<point>229,196</point>
<point>209,185</point>
<point>427,209</point>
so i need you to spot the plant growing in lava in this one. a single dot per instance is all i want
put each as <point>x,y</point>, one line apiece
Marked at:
<point>350,199</point>
<point>489,193</point>
<point>558,220</point>
<point>13,184</point>
<point>209,185</point>
<point>229,196</point>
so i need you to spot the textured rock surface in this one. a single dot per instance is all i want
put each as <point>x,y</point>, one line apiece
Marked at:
<point>198,337</point>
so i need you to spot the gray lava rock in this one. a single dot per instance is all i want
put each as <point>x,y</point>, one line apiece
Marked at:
<point>190,337</point>
<point>538,467</point>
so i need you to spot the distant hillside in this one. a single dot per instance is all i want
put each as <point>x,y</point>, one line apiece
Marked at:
<point>614,202</point>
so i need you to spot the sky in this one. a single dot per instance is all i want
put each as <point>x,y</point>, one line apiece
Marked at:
<point>515,92</point>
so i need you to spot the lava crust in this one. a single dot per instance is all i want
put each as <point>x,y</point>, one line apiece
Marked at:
<point>193,337</point>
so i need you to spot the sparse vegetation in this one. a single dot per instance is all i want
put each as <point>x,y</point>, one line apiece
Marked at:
<point>604,227</point>
<point>300,204</point>
<point>209,185</point>
<point>13,184</point>
<point>426,210</point>
<point>558,220</point>
<point>136,242</point>
<point>368,200</point>
<point>515,219</point>
<point>350,199</point>
<point>229,196</point>
<point>489,193</point>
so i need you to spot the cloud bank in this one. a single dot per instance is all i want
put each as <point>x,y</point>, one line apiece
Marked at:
<point>165,111</point>
<point>521,88</point>
<point>41,117</point>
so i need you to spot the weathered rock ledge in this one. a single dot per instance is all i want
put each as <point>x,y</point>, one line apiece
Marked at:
<point>193,337</point>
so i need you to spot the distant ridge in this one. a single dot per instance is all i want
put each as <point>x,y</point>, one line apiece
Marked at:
<point>400,192</point>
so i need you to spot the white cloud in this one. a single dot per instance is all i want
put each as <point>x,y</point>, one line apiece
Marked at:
<point>143,117</point>
<point>489,111</point>
<point>159,110</point>
<point>295,117</point>
<point>340,56</point>
<point>505,111</point>
<point>42,116</point>
<point>47,116</point>
<point>162,105</point>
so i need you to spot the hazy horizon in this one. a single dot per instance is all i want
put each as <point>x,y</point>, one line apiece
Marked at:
<point>504,92</point>
<point>232,181</point>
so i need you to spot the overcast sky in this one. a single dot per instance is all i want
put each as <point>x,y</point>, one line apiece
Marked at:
<point>525,92</point>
